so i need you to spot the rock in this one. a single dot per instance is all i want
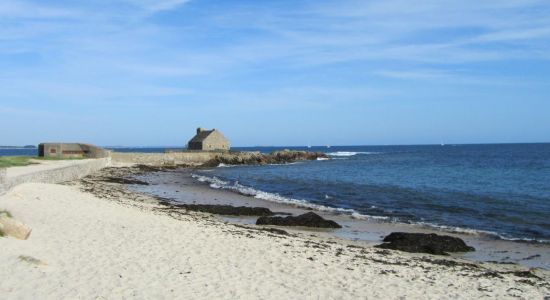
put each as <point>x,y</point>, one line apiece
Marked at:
<point>121,180</point>
<point>424,243</point>
<point>13,228</point>
<point>227,209</point>
<point>257,158</point>
<point>309,219</point>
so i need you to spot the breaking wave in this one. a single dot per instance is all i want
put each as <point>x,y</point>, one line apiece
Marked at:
<point>348,153</point>
<point>217,183</point>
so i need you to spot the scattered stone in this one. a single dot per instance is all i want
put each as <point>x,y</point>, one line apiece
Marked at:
<point>13,228</point>
<point>309,219</point>
<point>227,210</point>
<point>524,274</point>
<point>275,231</point>
<point>151,168</point>
<point>424,243</point>
<point>451,263</point>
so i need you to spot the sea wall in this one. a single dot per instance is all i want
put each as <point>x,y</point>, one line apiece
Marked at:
<point>2,180</point>
<point>53,175</point>
<point>159,159</point>
<point>214,158</point>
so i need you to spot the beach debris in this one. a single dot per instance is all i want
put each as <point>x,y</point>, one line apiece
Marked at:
<point>309,219</point>
<point>430,243</point>
<point>227,210</point>
<point>122,180</point>
<point>531,257</point>
<point>31,260</point>
<point>13,228</point>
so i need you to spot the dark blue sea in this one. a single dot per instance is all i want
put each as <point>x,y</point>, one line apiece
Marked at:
<point>499,189</point>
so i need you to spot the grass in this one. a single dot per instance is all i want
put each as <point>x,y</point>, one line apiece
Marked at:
<point>18,161</point>
<point>5,212</point>
<point>14,161</point>
<point>8,214</point>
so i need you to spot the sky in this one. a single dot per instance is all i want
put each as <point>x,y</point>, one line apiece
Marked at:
<point>149,72</point>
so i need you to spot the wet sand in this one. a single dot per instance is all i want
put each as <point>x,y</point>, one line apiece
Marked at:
<point>179,186</point>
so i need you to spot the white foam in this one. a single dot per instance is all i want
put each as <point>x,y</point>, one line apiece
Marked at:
<point>349,153</point>
<point>214,182</point>
<point>217,183</point>
<point>323,158</point>
<point>222,165</point>
<point>477,232</point>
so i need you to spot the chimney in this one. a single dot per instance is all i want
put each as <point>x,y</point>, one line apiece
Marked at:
<point>199,130</point>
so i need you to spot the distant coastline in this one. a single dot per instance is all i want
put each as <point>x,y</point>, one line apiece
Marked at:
<point>18,147</point>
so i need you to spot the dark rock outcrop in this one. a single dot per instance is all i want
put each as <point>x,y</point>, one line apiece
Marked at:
<point>227,209</point>
<point>122,180</point>
<point>424,243</point>
<point>257,158</point>
<point>309,219</point>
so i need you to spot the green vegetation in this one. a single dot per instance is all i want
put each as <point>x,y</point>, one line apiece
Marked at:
<point>18,161</point>
<point>7,214</point>
<point>30,260</point>
<point>14,161</point>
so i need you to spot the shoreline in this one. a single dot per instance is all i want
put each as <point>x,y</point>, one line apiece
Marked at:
<point>179,186</point>
<point>96,238</point>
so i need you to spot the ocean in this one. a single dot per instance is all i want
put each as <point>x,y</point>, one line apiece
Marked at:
<point>496,189</point>
<point>499,189</point>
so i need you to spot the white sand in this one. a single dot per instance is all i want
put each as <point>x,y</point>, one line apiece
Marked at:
<point>95,248</point>
<point>44,165</point>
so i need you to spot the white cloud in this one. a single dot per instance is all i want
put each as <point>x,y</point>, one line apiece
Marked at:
<point>80,43</point>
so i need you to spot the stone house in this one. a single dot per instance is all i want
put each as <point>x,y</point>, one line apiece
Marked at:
<point>71,150</point>
<point>209,140</point>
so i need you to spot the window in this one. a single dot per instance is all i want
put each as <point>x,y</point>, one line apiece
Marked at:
<point>53,151</point>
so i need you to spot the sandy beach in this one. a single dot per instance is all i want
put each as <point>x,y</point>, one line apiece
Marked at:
<point>183,186</point>
<point>93,241</point>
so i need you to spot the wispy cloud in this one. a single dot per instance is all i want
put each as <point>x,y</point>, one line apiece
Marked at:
<point>19,10</point>
<point>245,54</point>
<point>159,5</point>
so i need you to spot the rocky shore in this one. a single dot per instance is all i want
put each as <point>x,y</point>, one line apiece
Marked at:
<point>257,158</point>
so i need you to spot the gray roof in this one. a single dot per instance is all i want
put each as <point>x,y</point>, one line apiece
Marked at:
<point>201,136</point>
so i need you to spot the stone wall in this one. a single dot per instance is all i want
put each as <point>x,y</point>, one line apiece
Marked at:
<point>2,180</point>
<point>158,159</point>
<point>55,175</point>
<point>216,141</point>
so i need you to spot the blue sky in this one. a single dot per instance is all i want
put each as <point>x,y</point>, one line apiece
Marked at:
<point>148,72</point>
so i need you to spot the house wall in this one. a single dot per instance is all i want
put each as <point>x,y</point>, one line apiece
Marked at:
<point>216,141</point>
<point>195,146</point>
